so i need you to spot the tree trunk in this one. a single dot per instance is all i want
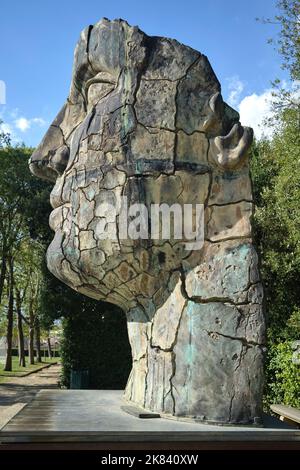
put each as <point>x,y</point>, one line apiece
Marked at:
<point>38,340</point>
<point>22,361</point>
<point>49,348</point>
<point>2,272</point>
<point>10,317</point>
<point>31,333</point>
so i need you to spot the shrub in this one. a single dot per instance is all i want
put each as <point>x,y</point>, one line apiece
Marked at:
<point>283,374</point>
<point>95,338</point>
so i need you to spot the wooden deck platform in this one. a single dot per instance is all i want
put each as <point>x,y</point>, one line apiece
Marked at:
<point>96,417</point>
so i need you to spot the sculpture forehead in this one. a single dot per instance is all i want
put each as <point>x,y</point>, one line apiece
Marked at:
<point>101,48</point>
<point>110,46</point>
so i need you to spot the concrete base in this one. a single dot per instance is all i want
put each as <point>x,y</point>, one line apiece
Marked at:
<point>62,416</point>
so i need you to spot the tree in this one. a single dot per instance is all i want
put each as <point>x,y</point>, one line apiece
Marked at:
<point>12,198</point>
<point>21,346</point>
<point>25,269</point>
<point>287,44</point>
<point>37,330</point>
<point>4,137</point>
<point>276,175</point>
<point>22,197</point>
<point>32,303</point>
<point>275,171</point>
<point>10,313</point>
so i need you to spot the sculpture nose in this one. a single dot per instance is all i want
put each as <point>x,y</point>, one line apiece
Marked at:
<point>51,157</point>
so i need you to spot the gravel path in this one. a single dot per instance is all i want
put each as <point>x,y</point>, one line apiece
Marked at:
<point>17,391</point>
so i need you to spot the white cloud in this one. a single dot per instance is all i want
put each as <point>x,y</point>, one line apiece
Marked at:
<point>254,109</point>
<point>23,124</point>
<point>18,126</point>
<point>40,121</point>
<point>235,87</point>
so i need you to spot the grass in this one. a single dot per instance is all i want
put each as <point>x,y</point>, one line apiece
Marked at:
<point>18,371</point>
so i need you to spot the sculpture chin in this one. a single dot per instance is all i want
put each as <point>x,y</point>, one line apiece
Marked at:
<point>106,271</point>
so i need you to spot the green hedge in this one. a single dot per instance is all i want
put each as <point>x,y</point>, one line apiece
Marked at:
<point>95,338</point>
<point>283,375</point>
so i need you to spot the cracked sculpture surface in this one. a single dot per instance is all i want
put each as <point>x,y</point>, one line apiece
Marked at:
<point>145,119</point>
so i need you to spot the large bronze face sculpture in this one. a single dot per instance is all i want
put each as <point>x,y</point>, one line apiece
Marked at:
<point>145,120</point>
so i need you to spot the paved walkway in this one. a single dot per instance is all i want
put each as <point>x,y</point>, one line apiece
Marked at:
<point>17,391</point>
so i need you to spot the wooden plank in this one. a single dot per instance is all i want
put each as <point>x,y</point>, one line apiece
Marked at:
<point>293,414</point>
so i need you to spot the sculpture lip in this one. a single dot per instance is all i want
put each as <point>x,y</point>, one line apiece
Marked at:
<point>54,215</point>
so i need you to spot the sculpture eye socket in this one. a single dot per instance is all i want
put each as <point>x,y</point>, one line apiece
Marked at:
<point>98,87</point>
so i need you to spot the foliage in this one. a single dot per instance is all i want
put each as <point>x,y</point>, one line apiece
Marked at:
<point>4,137</point>
<point>276,176</point>
<point>283,384</point>
<point>95,338</point>
<point>287,44</point>
<point>24,198</point>
<point>288,41</point>
<point>275,169</point>
<point>24,209</point>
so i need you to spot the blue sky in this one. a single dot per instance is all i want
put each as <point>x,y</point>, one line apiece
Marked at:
<point>37,40</point>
